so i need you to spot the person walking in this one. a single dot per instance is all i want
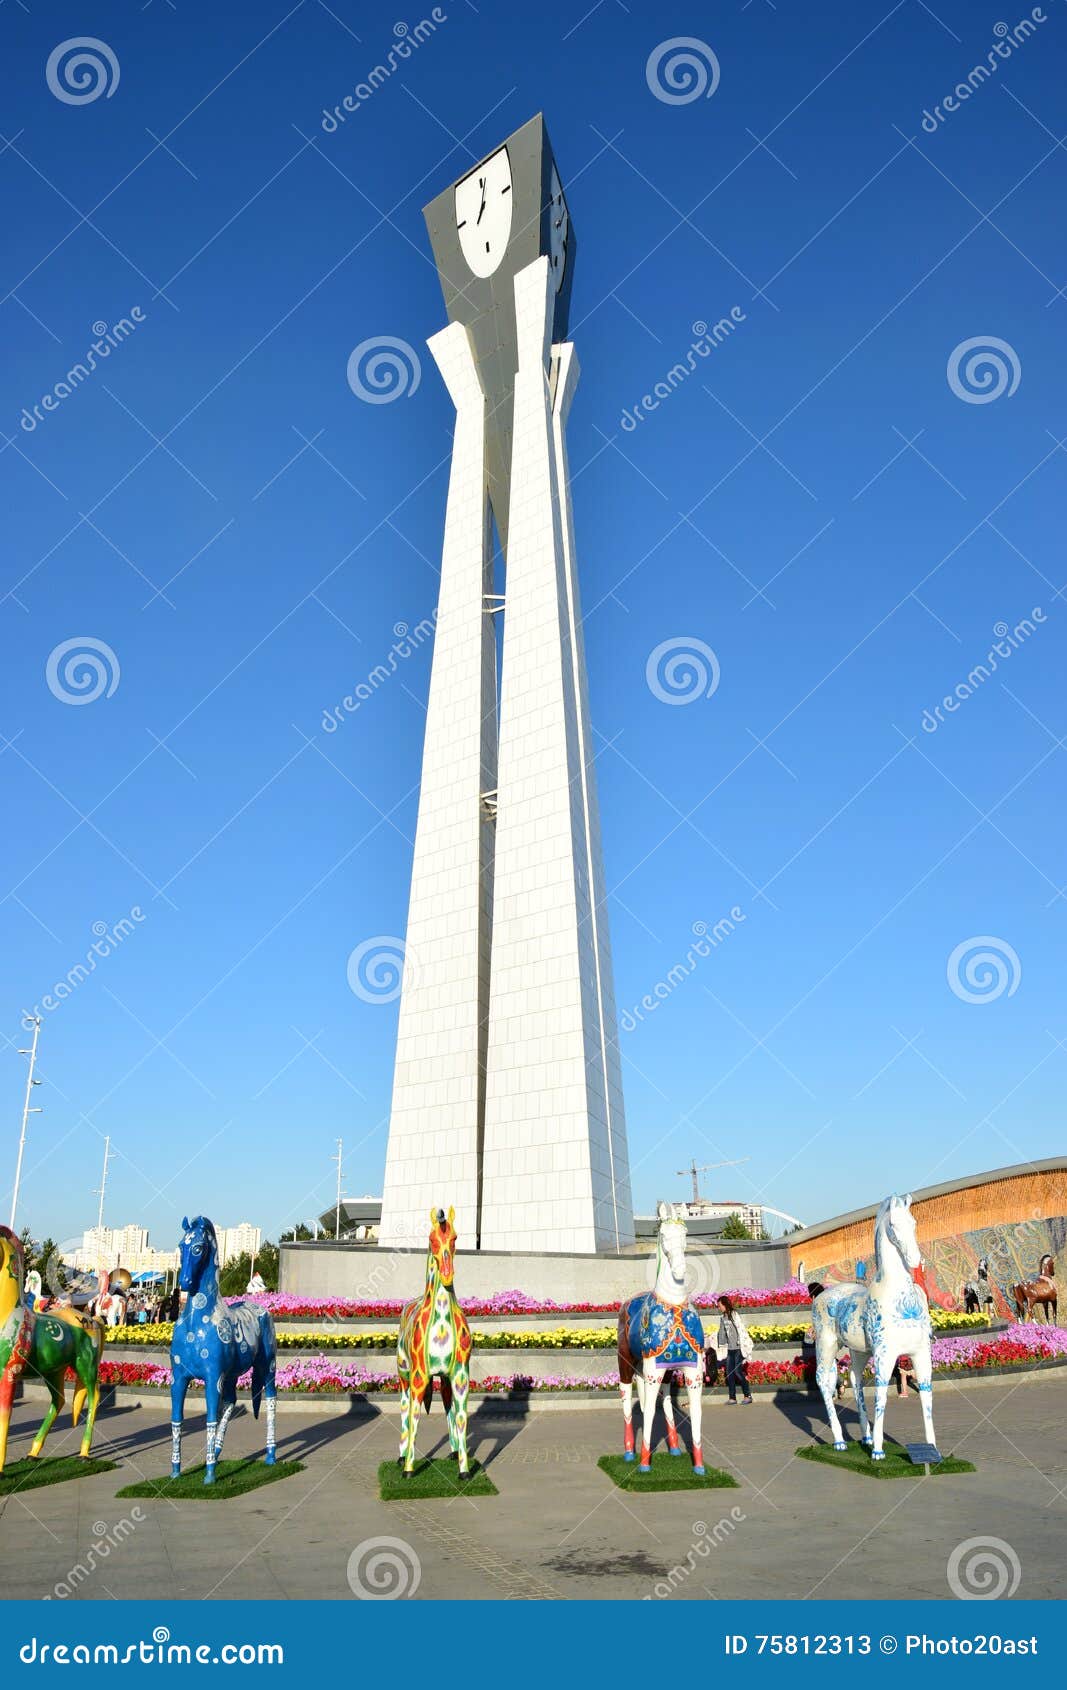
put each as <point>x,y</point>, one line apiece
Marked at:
<point>734,1346</point>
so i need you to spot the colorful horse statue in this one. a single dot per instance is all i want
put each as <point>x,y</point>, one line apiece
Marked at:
<point>1039,1292</point>
<point>887,1317</point>
<point>113,1295</point>
<point>217,1342</point>
<point>434,1342</point>
<point>44,1346</point>
<point>661,1330</point>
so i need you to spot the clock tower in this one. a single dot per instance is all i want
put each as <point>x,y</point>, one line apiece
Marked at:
<point>507,1096</point>
<point>492,223</point>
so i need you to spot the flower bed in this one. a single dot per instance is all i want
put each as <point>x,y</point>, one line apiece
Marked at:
<point>1019,1347</point>
<point>555,1338</point>
<point>284,1306</point>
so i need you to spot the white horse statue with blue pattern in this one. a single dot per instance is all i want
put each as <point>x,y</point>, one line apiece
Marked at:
<point>661,1331</point>
<point>885,1317</point>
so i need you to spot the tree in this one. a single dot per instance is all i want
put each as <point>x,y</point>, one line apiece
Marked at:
<point>734,1227</point>
<point>236,1273</point>
<point>49,1264</point>
<point>299,1234</point>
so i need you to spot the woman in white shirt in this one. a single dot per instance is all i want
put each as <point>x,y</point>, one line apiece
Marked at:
<point>734,1346</point>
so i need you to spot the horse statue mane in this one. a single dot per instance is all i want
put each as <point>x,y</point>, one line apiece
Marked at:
<point>883,1318</point>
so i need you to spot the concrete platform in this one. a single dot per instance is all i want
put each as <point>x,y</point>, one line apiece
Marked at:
<point>365,1272</point>
<point>559,1528</point>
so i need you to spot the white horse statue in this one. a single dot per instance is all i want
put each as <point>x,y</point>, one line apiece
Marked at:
<point>885,1317</point>
<point>661,1329</point>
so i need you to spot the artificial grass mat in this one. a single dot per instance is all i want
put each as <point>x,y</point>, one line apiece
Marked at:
<point>432,1479</point>
<point>31,1475</point>
<point>669,1472</point>
<point>232,1478</point>
<point>856,1459</point>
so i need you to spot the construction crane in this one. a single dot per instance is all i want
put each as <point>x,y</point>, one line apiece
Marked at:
<point>694,1172</point>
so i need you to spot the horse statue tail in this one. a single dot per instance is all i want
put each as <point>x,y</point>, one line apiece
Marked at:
<point>94,1331</point>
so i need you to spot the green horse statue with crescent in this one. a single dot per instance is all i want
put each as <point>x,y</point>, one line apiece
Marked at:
<point>44,1346</point>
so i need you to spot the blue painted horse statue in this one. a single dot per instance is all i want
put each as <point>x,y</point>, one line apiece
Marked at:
<point>885,1317</point>
<point>217,1342</point>
<point>660,1330</point>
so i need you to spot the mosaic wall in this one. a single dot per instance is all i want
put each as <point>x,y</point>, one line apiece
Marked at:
<point>1011,1222</point>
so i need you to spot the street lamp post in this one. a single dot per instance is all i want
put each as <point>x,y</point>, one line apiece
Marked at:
<point>35,1021</point>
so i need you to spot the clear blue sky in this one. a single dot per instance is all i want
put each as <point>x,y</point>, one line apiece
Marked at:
<point>815,503</point>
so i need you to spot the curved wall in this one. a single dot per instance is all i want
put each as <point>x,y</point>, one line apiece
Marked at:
<point>1012,1216</point>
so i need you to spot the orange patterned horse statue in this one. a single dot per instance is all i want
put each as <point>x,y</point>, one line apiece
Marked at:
<point>434,1342</point>
<point>1039,1292</point>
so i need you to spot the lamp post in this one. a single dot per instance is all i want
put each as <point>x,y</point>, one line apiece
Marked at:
<point>35,1022</point>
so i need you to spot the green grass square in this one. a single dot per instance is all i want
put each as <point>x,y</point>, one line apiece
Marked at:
<point>27,1475</point>
<point>669,1472</point>
<point>232,1478</point>
<point>439,1478</point>
<point>856,1459</point>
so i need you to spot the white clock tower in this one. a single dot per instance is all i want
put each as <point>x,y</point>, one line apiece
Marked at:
<point>507,1096</point>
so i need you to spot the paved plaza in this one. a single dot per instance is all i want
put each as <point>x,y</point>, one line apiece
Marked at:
<point>558,1528</point>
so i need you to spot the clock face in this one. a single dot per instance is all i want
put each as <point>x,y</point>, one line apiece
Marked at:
<point>558,230</point>
<point>483,213</point>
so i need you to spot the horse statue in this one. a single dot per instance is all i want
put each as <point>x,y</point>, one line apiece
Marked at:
<point>434,1342</point>
<point>217,1342</point>
<point>660,1330</point>
<point>1039,1292</point>
<point>44,1346</point>
<point>112,1295</point>
<point>886,1317</point>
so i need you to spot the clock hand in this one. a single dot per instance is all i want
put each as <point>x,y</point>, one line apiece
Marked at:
<point>481,208</point>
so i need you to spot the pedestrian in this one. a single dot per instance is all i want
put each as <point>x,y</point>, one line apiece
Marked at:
<point>903,1375</point>
<point>985,1289</point>
<point>734,1346</point>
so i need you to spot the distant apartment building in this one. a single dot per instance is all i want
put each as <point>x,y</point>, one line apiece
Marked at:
<point>750,1213</point>
<point>125,1246</point>
<point>242,1240</point>
<point>128,1247</point>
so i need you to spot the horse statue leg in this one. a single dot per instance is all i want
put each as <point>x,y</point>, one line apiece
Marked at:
<point>857,1363</point>
<point>264,1370</point>
<point>7,1398</point>
<point>649,1398</point>
<point>694,1384</point>
<point>410,1429</point>
<point>673,1442</point>
<point>626,1383</point>
<point>270,1457</point>
<point>883,1368</point>
<point>458,1416</point>
<point>179,1386</point>
<point>211,1391</point>
<point>229,1403</point>
<point>87,1367</point>
<point>448,1402</point>
<point>826,1377</point>
<point>405,1416</point>
<point>920,1358</point>
<point>55,1384</point>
